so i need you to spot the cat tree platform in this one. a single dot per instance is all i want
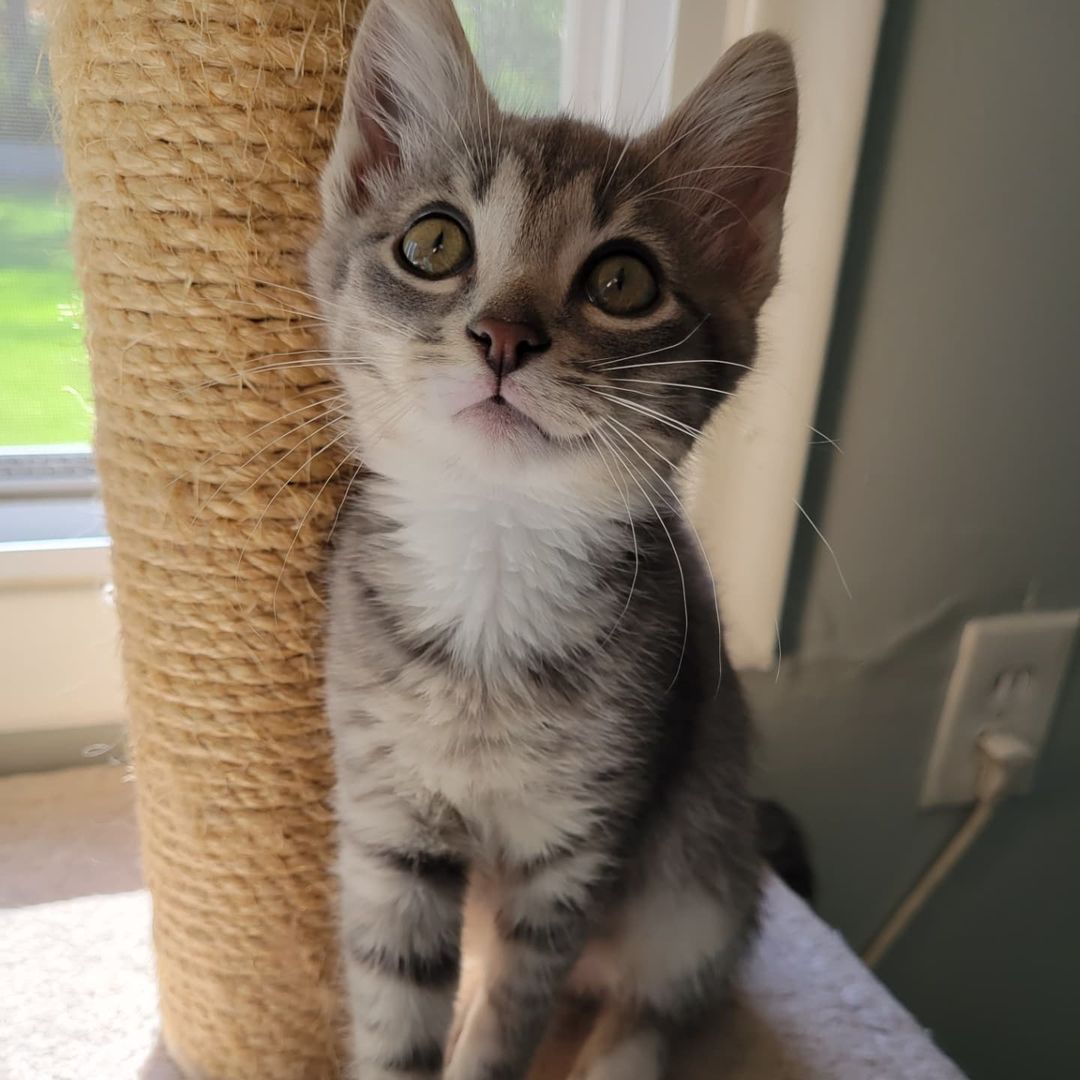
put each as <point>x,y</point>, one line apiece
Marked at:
<point>78,1000</point>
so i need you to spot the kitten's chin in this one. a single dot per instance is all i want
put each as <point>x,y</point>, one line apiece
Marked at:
<point>498,423</point>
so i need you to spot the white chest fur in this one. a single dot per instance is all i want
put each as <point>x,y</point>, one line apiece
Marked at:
<point>501,574</point>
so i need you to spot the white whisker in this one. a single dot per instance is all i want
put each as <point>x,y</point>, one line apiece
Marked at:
<point>290,310</point>
<point>684,386</point>
<point>673,363</point>
<point>262,450</point>
<point>674,551</point>
<point>693,529</point>
<point>711,168</point>
<point>632,390</point>
<point>273,498</point>
<point>343,502</point>
<point>299,528</point>
<point>723,199</point>
<point>311,362</point>
<point>678,425</point>
<point>335,416</point>
<point>667,148</point>
<point>828,546</point>
<point>607,361</point>
<point>345,308</point>
<point>618,163</point>
<point>710,389</point>
<point>633,534</point>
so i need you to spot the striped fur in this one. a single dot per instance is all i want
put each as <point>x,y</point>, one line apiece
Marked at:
<point>525,670</point>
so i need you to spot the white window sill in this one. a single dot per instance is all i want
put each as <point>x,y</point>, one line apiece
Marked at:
<point>59,655</point>
<point>30,564</point>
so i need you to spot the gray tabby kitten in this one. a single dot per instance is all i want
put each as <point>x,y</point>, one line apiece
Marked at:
<point>531,318</point>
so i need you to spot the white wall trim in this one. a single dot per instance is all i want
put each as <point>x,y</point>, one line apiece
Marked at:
<point>59,637</point>
<point>753,461</point>
<point>36,563</point>
<point>617,60</point>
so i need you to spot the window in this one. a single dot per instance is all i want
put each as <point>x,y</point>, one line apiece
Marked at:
<point>46,473</point>
<point>620,61</point>
<point>606,60</point>
<point>519,43</point>
<point>538,55</point>
<point>44,376</point>
<point>57,638</point>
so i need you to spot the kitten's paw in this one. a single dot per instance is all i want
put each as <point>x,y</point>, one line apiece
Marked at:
<point>639,1054</point>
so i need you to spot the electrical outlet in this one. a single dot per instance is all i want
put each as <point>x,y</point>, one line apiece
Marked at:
<point>1007,677</point>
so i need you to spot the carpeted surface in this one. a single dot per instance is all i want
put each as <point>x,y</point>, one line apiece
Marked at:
<point>76,979</point>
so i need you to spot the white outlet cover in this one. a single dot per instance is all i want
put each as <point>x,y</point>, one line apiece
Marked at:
<point>1008,675</point>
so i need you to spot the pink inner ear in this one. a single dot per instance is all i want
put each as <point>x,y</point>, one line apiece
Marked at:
<point>378,150</point>
<point>747,240</point>
<point>771,182</point>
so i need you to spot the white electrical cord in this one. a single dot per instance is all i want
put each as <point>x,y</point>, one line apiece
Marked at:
<point>1003,756</point>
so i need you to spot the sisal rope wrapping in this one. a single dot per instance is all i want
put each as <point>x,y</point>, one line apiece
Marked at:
<point>193,132</point>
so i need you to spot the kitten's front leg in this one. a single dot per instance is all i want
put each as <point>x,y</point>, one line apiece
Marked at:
<point>540,923</point>
<point>401,901</point>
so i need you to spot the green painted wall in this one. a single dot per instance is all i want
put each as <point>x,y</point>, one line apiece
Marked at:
<point>954,389</point>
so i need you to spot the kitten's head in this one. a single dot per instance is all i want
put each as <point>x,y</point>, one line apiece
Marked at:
<point>535,299</point>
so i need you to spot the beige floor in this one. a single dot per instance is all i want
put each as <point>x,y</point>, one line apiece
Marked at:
<point>76,984</point>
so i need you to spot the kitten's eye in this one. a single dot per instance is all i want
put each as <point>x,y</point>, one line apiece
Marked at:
<point>621,284</point>
<point>436,246</point>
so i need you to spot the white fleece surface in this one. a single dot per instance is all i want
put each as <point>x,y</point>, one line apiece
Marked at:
<point>77,998</point>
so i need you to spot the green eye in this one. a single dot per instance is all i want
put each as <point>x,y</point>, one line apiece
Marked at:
<point>436,246</point>
<point>621,284</point>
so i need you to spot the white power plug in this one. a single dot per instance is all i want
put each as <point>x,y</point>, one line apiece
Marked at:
<point>1007,678</point>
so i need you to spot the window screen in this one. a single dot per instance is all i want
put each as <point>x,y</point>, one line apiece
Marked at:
<point>44,376</point>
<point>518,44</point>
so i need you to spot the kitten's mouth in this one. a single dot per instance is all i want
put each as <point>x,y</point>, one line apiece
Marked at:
<point>498,418</point>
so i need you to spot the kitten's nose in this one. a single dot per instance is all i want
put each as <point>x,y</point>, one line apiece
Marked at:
<point>506,346</point>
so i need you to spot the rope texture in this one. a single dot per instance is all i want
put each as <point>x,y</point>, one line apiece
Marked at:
<point>193,132</point>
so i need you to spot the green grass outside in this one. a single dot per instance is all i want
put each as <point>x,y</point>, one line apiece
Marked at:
<point>44,376</point>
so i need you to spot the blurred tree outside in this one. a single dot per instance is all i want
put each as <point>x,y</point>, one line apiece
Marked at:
<point>44,374</point>
<point>25,89</point>
<point>519,46</point>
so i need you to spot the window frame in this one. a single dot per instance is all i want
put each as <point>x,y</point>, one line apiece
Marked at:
<point>604,40</point>
<point>50,471</point>
<point>58,636</point>
<point>746,493</point>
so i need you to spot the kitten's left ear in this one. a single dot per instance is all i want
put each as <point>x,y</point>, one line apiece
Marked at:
<point>727,153</point>
<point>412,83</point>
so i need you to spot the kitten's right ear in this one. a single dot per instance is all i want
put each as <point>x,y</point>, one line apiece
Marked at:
<point>411,74</point>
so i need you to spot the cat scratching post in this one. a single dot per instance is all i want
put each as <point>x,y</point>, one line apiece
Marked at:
<point>194,131</point>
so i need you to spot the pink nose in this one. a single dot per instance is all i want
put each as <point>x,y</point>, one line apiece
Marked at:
<point>506,346</point>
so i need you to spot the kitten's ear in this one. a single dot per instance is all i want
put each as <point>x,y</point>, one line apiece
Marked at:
<point>727,152</point>
<point>411,75</point>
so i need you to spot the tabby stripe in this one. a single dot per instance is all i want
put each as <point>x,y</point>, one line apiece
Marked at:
<point>531,867</point>
<point>432,972</point>
<point>422,1058</point>
<point>554,938</point>
<point>441,871</point>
